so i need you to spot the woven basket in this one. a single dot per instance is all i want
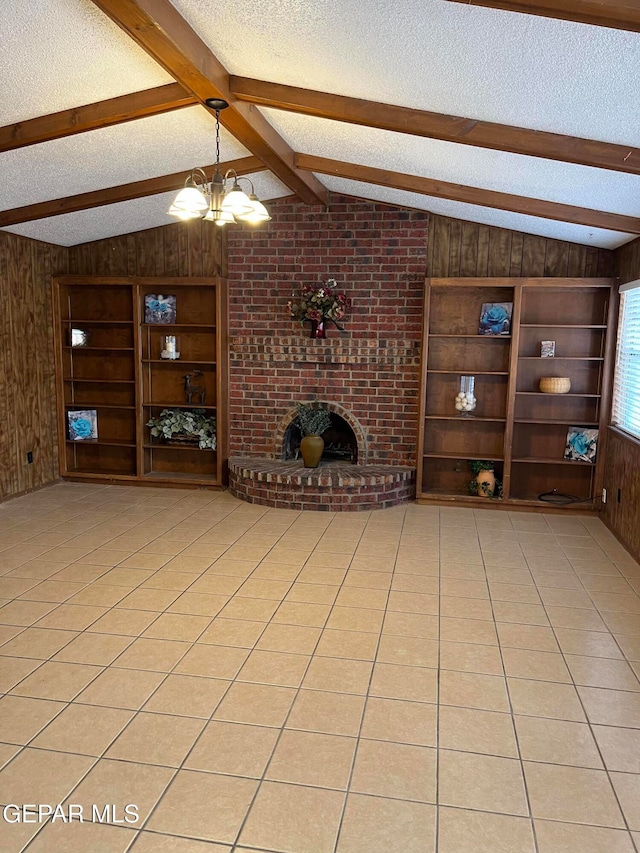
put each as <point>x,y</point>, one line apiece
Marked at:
<point>555,384</point>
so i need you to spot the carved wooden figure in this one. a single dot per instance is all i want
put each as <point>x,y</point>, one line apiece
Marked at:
<point>193,393</point>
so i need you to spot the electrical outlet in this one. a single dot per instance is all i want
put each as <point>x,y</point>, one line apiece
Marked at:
<point>29,457</point>
<point>604,496</point>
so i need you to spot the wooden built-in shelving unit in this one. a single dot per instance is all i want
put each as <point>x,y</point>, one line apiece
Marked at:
<point>514,424</point>
<point>121,375</point>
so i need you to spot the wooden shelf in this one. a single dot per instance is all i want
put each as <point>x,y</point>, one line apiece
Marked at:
<point>186,478</point>
<point>465,418</point>
<point>178,406</point>
<point>177,326</point>
<point>161,446</point>
<point>99,349</point>
<point>441,454</point>
<point>106,442</point>
<point>535,460</point>
<point>97,406</point>
<point>99,381</point>
<point>470,372</point>
<point>555,396</point>
<point>552,422</point>
<point>176,361</point>
<point>559,326</point>
<point>475,337</point>
<point>560,358</point>
<point>99,323</point>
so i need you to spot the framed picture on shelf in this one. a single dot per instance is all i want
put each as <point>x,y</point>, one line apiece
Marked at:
<point>582,444</point>
<point>495,318</point>
<point>83,425</point>
<point>547,349</point>
<point>159,309</point>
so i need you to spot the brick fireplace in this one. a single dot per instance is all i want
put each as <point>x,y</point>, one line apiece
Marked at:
<point>369,374</point>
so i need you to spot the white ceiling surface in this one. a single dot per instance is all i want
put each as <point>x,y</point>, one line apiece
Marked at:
<point>125,217</point>
<point>429,54</point>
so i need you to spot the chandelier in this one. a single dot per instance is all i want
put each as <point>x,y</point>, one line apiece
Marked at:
<point>220,200</point>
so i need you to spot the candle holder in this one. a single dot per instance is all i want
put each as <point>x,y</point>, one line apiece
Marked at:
<point>170,347</point>
<point>466,398</point>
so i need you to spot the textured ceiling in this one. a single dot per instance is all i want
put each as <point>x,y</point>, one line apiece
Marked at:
<point>429,54</point>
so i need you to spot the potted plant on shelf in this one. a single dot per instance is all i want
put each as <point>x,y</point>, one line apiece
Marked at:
<point>484,484</point>
<point>318,305</point>
<point>312,422</point>
<point>184,426</point>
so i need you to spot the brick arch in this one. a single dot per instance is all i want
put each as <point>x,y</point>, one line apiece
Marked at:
<point>337,409</point>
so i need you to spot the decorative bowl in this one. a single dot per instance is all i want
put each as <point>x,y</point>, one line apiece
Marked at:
<point>555,384</point>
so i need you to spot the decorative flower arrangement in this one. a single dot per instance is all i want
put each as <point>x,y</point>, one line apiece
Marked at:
<point>310,420</point>
<point>180,422</point>
<point>318,304</point>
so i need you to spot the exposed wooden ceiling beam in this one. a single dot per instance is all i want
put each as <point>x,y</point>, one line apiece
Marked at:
<point>151,102</point>
<point>601,13</point>
<point>123,192</point>
<point>472,195</point>
<point>465,131</point>
<point>165,35</point>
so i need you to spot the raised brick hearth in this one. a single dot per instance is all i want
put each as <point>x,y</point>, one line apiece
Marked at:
<point>333,487</point>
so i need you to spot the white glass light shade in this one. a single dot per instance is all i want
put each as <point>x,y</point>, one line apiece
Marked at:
<point>236,201</point>
<point>220,217</point>
<point>190,199</point>
<point>184,214</point>
<point>258,214</point>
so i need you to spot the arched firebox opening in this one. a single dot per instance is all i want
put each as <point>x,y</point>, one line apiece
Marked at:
<point>344,441</point>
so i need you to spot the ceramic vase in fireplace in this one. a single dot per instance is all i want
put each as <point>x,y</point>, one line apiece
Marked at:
<point>312,421</point>
<point>311,447</point>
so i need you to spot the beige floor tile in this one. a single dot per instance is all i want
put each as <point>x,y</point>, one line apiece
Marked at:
<point>13,670</point>
<point>482,782</point>
<point>98,649</point>
<point>232,748</point>
<point>186,809</point>
<point>83,729</point>
<point>400,721</point>
<point>309,758</point>
<point>471,657</point>
<point>290,638</point>
<point>611,707</point>
<point>72,617</point>
<point>129,623</point>
<point>574,617</point>
<point>59,681</point>
<point>417,684</point>
<point>130,578</point>
<point>355,619</point>
<point>209,583</point>
<point>545,699</point>
<point>121,688</point>
<point>155,842</point>
<point>553,596</point>
<point>331,713</point>
<point>25,613</point>
<point>199,604</point>
<point>176,581</point>
<point>313,593</point>
<point>464,588</point>
<point>264,588</point>
<point>54,591</point>
<point>546,666</point>
<point>525,614</point>
<point>514,592</point>
<point>148,599</point>
<point>13,587</point>
<point>22,718</point>
<point>591,643</point>
<point>556,837</point>
<point>620,748</point>
<point>7,751</point>
<point>413,583</point>
<point>121,782</point>
<point>557,742</point>
<point>602,672</point>
<point>468,631</point>
<point>156,739</point>
<point>177,626</point>
<point>232,632</point>
<point>627,788</point>
<point>371,580</point>
<point>252,609</point>
<point>378,825</point>
<point>212,661</point>
<point>322,575</point>
<point>354,596</point>
<point>156,655</point>
<point>621,623</point>
<point>473,690</point>
<point>395,770</point>
<point>338,675</point>
<point>41,776</point>
<point>294,819</point>
<point>7,632</point>
<point>144,561</point>
<point>266,667</point>
<point>463,830</point>
<point>629,644</point>
<point>411,625</point>
<point>572,794</point>
<point>534,637</point>
<point>465,608</point>
<point>471,730</point>
<point>79,837</point>
<point>260,704</point>
<point>187,695</point>
<point>409,651</point>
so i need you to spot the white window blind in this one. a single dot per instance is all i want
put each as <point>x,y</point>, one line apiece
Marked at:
<point>626,386</point>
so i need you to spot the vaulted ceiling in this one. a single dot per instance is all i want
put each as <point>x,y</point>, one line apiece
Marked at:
<point>492,112</point>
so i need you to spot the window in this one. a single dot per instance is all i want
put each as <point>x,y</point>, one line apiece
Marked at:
<point>626,386</point>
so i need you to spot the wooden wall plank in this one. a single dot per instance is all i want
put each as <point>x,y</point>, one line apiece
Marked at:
<point>469,249</point>
<point>499,262</point>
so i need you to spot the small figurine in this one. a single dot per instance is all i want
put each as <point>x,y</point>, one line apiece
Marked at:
<point>193,393</point>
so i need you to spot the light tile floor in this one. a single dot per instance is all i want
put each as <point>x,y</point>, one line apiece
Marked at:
<point>265,680</point>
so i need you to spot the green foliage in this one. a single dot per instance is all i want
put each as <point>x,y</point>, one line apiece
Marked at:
<point>190,422</point>
<point>477,465</point>
<point>311,420</point>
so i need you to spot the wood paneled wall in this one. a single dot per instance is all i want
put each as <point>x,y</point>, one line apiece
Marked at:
<point>192,249</point>
<point>458,248</point>
<point>622,459</point>
<point>27,384</point>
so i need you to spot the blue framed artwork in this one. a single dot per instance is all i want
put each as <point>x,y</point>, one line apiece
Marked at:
<point>495,318</point>
<point>83,425</point>
<point>582,444</point>
<point>159,309</point>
